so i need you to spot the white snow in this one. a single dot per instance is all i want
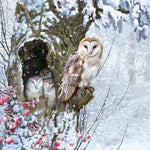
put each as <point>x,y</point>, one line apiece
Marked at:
<point>66,7</point>
<point>127,57</point>
<point>136,11</point>
<point>114,3</point>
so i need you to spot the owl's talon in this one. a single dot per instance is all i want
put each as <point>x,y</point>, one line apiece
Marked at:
<point>83,91</point>
<point>90,88</point>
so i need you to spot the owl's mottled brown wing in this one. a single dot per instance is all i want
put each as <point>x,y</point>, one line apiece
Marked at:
<point>71,77</point>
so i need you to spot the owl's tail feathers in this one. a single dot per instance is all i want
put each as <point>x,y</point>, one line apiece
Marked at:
<point>62,95</point>
<point>66,92</point>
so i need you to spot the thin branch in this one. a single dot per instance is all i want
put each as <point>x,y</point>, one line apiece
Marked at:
<point>3,57</point>
<point>4,47</point>
<point>41,16</point>
<point>4,36</point>
<point>125,131</point>
<point>3,29</point>
<point>28,18</point>
<point>101,110</point>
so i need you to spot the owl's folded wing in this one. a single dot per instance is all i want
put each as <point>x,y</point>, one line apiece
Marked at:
<point>71,76</point>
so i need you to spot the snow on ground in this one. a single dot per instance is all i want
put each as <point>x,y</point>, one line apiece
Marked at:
<point>133,112</point>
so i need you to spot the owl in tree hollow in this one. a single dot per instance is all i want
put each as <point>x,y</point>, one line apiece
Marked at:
<point>81,68</point>
<point>49,91</point>
<point>34,87</point>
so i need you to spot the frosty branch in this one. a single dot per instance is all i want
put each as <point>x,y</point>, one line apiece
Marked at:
<point>3,40</point>
<point>28,17</point>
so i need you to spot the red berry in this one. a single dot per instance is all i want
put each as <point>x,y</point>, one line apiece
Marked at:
<point>71,143</point>
<point>9,140</point>
<point>40,138</point>
<point>36,142</point>
<point>26,112</point>
<point>16,124</point>
<point>12,130</point>
<point>13,125</point>
<point>1,139</point>
<point>80,137</point>
<point>1,101</point>
<point>32,106</point>
<point>32,101</point>
<point>83,139</point>
<point>17,119</point>
<point>87,137</point>
<point>54,147</point>
<point>4,99</point>
<point>24,105</point>
<point>5,119</point>
<point>57,143</point>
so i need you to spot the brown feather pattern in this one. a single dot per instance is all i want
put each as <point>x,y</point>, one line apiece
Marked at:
<point>72,76</point>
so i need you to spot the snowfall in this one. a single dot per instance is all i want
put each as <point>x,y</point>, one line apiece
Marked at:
<point>125,122</point>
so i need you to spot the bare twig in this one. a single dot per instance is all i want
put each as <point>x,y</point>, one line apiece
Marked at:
<point>3,30</point>
<point>4,58</point>
<point>101,110</point>
<point>125,131</point>
<point>28,18</point>
<point>41,16</point>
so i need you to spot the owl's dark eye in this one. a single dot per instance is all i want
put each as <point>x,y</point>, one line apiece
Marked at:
<point>32,81</point>
<point>94,46</point>
<point>85,46</point>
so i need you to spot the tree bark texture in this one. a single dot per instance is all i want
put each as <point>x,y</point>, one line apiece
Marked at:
<point>41,42</point>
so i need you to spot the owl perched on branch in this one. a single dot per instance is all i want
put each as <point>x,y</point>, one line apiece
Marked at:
<point>81,68</point>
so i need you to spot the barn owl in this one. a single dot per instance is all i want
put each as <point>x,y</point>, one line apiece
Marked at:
<point>34,87</point>
<point>49,91</point>
<point>81,68</point>
<point>45,73</point>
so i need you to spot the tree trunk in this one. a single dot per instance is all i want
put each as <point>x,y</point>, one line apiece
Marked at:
<point>41,42</point>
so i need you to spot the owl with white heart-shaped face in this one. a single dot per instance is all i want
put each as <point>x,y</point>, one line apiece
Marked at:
<point>49,91</point>
<point>34,87</point>
<point>81,68</point>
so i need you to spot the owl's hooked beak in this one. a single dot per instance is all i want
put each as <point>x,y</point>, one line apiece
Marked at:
<point>36,86</point>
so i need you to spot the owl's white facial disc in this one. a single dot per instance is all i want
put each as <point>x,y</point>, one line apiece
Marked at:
<point>35,84</point>
<point>90,48</point>
<point>48,86</point>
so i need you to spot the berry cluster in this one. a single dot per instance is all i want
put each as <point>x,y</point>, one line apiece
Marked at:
<point>7,119</point>
<point>11,122</point>
<point>3,100</point>
<point>43,141</point>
